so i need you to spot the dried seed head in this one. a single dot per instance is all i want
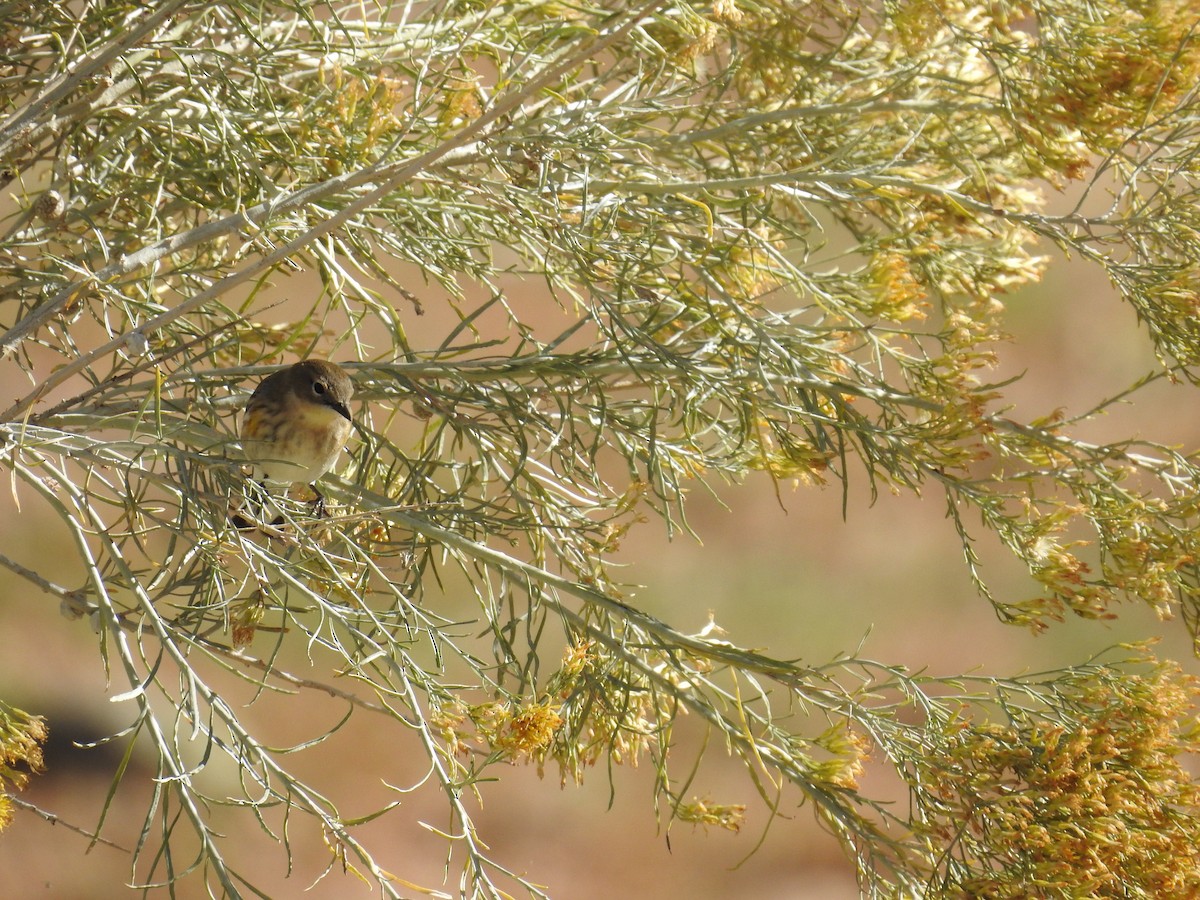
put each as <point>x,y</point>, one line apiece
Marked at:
<point>50,206</point>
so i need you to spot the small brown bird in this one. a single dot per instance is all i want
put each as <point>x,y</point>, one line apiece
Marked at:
<point>296,424</point>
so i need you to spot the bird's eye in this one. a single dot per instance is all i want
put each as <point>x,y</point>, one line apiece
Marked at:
<point>318,387</point>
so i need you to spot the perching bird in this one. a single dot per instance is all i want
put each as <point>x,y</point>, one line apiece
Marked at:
<point>296,424</point>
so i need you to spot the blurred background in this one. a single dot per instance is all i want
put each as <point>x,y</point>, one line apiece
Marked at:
<point>783,573</point>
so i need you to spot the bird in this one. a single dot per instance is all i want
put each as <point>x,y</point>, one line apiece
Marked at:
<point>296,424</point>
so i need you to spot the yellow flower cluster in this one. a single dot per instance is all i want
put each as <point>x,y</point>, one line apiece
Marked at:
<point>21,737</point>
<point>1099,805</point>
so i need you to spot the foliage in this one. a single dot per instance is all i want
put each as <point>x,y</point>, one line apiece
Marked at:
<point>777,237</point>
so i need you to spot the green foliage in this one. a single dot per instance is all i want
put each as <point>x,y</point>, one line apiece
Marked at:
<point>777,237</point>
